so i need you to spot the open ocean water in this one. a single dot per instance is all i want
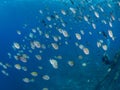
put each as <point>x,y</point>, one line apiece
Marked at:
<point>59,45</point>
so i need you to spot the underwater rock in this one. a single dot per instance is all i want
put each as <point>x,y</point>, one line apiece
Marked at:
<point>112,80</point>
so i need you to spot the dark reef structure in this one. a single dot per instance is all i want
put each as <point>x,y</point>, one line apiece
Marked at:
<point>112,80</point>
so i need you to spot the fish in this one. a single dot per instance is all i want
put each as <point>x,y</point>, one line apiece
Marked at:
<point>72,2</point>
<point>68,45</point>
<point>105,59</point>
<point>104,34</point>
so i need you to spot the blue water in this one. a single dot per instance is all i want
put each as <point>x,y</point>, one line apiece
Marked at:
<point>15,14</point>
